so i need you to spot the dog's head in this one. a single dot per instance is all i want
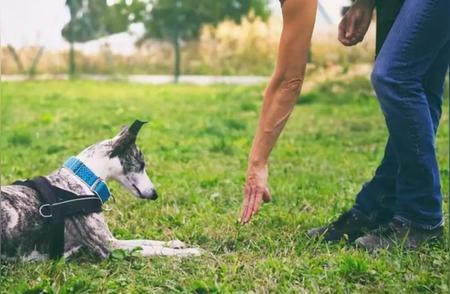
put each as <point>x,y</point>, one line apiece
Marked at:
<point>131,171</point>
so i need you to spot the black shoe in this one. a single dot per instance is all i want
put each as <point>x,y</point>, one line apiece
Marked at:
<point>350,225</point>
<point>399,233</point>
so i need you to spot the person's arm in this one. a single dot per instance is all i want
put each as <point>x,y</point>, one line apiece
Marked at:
<point>279,98</point>
<point>355,23</point>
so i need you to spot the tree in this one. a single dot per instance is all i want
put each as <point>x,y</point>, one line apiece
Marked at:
<point>167,20</point>
<point>33,67</point>
<point>181,20</point>
<point>93,19</point>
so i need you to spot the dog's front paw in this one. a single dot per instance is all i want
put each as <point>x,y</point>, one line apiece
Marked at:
<point>191,252</point>
<point>176,244</point>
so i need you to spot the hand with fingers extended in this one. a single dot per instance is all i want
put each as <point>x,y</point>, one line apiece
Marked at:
<point>256,190</point>
<point>355,23</point>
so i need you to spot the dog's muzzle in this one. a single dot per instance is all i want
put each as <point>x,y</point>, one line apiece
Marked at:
<point>152,195</point>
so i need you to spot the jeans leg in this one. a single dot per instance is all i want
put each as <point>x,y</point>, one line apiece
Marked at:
<point>377,197</point>
<point>387,12</point>
<point>433,84</point>
<point>398,79</point>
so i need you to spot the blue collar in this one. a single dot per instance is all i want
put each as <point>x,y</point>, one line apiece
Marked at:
<point>97,185</point>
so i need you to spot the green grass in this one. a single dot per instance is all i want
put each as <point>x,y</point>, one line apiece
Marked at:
<point>196,147</point>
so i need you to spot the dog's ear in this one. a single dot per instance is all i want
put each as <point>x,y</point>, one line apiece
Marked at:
<point>136,127</point>
<point>126,138</point>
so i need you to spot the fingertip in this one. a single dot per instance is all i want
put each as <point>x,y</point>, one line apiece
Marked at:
<point>343,39</point>
<point>345,42</point>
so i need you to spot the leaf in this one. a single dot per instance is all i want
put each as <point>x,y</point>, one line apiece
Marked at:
<point>118,254</point>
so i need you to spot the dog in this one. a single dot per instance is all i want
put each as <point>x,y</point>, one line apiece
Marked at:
<point>23,226</point>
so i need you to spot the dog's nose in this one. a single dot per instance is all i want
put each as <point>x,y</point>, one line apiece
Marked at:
<point>153,195</point>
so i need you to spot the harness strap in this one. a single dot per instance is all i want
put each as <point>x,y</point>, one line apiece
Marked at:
<point>57,205</point>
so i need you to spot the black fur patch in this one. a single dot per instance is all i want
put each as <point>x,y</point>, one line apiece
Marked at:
<point>132,160</point>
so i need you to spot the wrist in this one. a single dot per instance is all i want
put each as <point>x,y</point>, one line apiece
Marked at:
<point>256,163</point>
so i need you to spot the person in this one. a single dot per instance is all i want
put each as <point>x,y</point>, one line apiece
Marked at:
<point>279,98</point>
<point>402,203</point>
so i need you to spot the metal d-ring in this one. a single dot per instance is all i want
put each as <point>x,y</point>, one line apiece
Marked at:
<point>42,214</point>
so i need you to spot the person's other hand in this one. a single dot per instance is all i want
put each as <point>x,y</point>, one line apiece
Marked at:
<point>355,23</point>
<point>256,190</point>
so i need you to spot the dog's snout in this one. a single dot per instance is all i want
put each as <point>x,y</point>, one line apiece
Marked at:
<point>147,193</point>
<point>153,195</point>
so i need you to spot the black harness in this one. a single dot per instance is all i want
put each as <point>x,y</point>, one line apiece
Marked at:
<point>58,204</point>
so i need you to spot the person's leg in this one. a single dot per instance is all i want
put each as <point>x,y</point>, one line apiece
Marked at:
<point>412,47</point>
<point>387,12</point>
<point>397,232</point>
<point>433,84</point>
<point>408,78</point>
<point>376,201</point>
<point>377,197</point>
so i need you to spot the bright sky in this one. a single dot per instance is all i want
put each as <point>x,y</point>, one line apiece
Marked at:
<point>39,22</point>
<point>27,22</point>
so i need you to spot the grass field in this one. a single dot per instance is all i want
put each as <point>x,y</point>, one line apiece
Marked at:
<point>196,147</point>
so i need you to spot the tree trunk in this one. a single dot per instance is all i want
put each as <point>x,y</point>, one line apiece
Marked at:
<point>72,67</point>
<point>34,64</point>
<point>177,68</point>
<point>176,41</point>
<point>16,58</point>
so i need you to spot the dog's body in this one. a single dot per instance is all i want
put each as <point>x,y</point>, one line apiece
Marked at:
<point>23,229</point>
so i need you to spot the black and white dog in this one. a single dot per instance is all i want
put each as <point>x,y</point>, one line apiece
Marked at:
<point>23,226</point>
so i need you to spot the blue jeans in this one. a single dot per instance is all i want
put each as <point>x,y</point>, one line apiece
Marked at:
<point>408,79</point>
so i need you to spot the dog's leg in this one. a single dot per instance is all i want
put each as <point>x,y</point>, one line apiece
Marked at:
<point>174,244</point>
<point>151,248</point>
<point>93,233</point>
<point>164,251</point>
<point>90,232</point>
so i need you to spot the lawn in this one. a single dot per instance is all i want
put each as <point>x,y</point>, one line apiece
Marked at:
<point>196,146</point>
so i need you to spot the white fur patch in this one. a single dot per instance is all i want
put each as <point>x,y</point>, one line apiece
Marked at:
<point>35,256</point>
<point>14,217</point>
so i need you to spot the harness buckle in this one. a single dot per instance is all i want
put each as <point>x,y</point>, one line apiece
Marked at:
<point>42,213</point>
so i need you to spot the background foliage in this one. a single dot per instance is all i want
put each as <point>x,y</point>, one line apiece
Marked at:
<point>245,48</point>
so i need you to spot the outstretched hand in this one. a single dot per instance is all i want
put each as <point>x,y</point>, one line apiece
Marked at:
<point>256,190</point>
<point>355,23</point>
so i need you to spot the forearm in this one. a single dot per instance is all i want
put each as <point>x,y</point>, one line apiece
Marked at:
<point>279,101</point>
<point>285,85</point>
